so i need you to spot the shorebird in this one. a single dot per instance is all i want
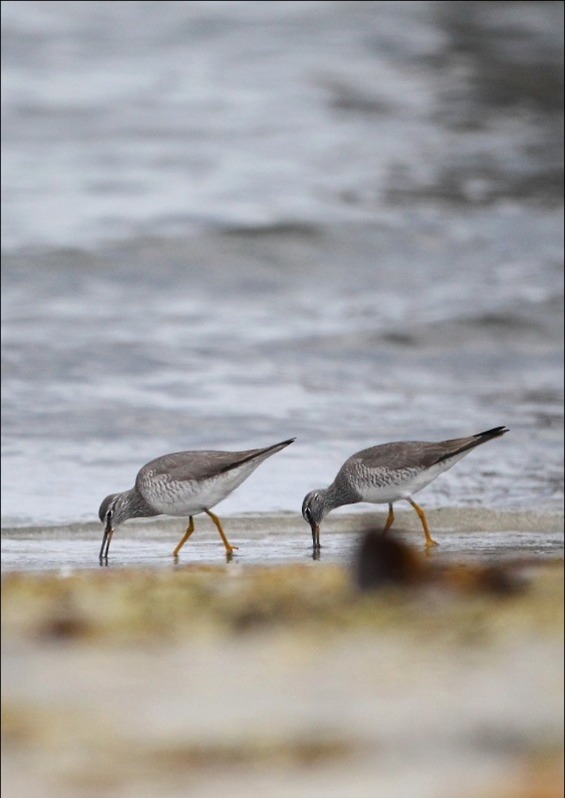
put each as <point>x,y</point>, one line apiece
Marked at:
<point>387,473</point>
<point>182,484</point>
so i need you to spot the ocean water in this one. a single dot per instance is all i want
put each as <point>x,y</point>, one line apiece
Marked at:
<point>229,223</point>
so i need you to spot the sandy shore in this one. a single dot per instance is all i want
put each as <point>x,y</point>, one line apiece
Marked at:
<point>280,539</point>
<point>283,679</point>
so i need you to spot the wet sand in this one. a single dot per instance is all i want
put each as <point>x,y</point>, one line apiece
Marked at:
<point>273,675</point>
<point>472,534</point>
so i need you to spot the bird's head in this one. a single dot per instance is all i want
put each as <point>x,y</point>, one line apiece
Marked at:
<point>113,512</point>
<point>313,510</point>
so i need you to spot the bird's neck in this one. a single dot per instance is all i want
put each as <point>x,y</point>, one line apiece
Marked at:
<point>338,494</point>
<point>334,497</point>
<point>135,505</point>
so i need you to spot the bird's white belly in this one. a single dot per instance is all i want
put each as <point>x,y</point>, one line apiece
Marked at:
<point>189,498</point>
<point>405,484</point>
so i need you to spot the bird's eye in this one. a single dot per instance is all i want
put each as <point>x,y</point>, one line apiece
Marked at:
<point>307,514</point>
<point>110,513</point>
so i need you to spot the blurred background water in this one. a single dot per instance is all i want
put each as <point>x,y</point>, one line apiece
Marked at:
<point>229,223</point>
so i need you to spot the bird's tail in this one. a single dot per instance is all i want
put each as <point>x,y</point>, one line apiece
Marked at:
<point>258,454</point>
<point>474,440</point>
<point>495,432</point>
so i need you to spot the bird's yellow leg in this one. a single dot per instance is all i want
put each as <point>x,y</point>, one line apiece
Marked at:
<point>389,519</point>
<point>429,540</point>
<point>216,520</point>
<point>185,537</point>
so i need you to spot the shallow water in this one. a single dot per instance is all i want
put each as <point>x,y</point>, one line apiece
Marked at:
<point>468,536</point>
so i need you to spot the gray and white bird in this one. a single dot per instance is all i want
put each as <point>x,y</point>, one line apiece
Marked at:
<point>387,473</point>
<point>182,484</point>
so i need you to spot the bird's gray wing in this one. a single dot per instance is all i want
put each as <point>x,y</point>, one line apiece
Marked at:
<point>199,465</point>
<point>412,454</point>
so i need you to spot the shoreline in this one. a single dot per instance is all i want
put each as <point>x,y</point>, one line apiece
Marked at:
<point>281,538</point>
<point>464,518</point>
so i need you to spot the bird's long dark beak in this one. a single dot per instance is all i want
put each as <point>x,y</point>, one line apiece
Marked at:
<point>315,536</point>
<point>108,532</point>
